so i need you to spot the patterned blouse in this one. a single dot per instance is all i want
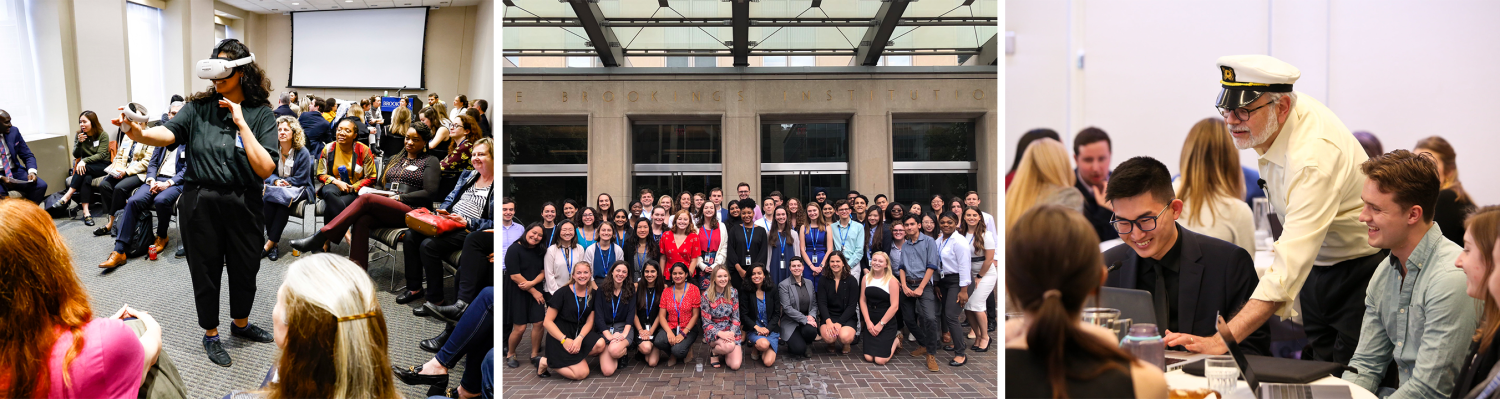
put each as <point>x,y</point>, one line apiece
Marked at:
<point>400,172</point>
<point>721,314</point>
<point>458,159</point>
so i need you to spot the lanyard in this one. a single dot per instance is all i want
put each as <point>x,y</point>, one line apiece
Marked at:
<point>614,310</point>
<point>711,234</point>
<point>749,236</point>
<point>761,308</point>
<point>552,235</point>
<point>782,239</point>
<point>677,301</point>
<point>607,261</point>
<point>843,233</point>
<point>651,301</point>
<point>582,304</point>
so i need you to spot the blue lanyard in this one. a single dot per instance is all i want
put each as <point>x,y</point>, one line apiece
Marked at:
<point>677,300</point>
<point>552,235</point>
<point>651,300</point>
<point>710,234</point>
<point>582,304</point>
<point>782,238</point>
<point>843,235</point>
<point>749,236</point>
<point>614,310</point>
<point>761,308</point>
<point>611,259</point>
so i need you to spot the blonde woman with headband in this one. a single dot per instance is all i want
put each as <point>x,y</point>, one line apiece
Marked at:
<point>331,333</point>
<point>1043,177</point>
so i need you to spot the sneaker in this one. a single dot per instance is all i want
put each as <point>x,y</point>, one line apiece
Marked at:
<point>251,332</point>
<point>181,252</point>
<point>216,352</point>
<point>911,338</point>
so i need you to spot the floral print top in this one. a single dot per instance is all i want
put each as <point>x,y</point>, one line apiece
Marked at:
<point>458,159</point>
<point>721,314</point>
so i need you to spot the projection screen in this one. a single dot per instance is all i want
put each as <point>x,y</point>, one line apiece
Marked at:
<point>325,54</point>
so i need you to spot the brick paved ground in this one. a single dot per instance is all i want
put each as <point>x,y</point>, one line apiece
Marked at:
<point>823,376</point>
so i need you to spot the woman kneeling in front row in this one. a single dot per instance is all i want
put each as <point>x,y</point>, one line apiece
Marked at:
<point>761,310</point>
<point>721,321</point>
<point>569,324</point>
<point>614,310</point>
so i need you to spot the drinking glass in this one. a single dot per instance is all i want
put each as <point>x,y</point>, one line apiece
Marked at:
<point>1222,373</point>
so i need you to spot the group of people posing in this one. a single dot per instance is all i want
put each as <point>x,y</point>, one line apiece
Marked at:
<point>665,275</point>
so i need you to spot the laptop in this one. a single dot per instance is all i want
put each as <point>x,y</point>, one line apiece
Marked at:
<point>1133,304</point>
<point>1277,391</point>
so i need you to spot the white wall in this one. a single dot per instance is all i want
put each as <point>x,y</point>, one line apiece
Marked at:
<point>1402,70</point>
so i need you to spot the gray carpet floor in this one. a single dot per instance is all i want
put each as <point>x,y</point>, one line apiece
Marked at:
<point>165,290</point>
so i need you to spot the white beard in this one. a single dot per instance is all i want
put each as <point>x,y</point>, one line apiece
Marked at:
<point>1257,138</point>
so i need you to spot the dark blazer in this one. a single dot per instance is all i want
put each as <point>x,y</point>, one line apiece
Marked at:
<point>1216,277</point>
<point>315,128</point>
<point>21,158</point>
<point>283,110</point>
<point>302,172</point>
<point>1477,366</point>
<point>748,315</point>
<point>1098,216</point>
<point>158,159</point>
<point>838,305</point>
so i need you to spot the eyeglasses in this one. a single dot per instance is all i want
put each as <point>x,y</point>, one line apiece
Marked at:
<point>1147,223</point>
<point>1241,113</point>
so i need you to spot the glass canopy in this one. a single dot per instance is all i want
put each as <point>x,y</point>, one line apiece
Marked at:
<point>866,29</point>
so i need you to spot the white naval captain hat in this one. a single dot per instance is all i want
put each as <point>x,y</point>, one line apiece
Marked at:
<point>1246,77</point>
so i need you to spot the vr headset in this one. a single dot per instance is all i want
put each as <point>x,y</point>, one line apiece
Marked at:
<point>219,68</point>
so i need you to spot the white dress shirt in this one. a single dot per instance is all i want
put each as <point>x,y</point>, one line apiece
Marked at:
<point>1313,182</point>
<point>957,253</point>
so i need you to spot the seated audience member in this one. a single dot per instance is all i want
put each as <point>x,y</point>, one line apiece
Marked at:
<point>838,298</point>
<point>1161,257</point>
<point>473,339</point>
<point>1053,269</point>
<point>799,310</point>
<point>165,171</point>
<point>476,271</point>
<point>1416,312</point>
<point>18,164</point>
<point>1211,188</point>
<point>1022,144</point>
<point>603,253</point>
<point>1483,284</point>
<point>330,109</point>
<point>570,324</point>
<point>484,117</point>
<point>465,133</point>
<point>284,109</point>
<point>171,113</point>
<point>435,121</point>
<point>648,293</point>
<point>614,314</point>
<point>394,137</point>
<point>1370,143</point>
<point>54,347</point>
<point>678,320</point>
<point>760,315</point>
<point>878,308</point>
<point>525,301</point>
<point>721,321</point>
<point>344,167</point>
<point>90,157</point>
<point>319,132</point>
<point>294,171</point>
<point>332,335</point>
<point>126,172</point>
<point>1043,178</point>
<point>1453,203</point>
<point>412,180</point>
<point>1091,149</point>
<point>460,106</point>
<point>471,203</point>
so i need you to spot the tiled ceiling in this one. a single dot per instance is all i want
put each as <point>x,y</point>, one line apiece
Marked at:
<point>281,6</point>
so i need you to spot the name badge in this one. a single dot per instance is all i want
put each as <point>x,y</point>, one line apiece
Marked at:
<point>747,261</point>
<point>411,168</point>
<point>783,264</point>
<point>239,142</point>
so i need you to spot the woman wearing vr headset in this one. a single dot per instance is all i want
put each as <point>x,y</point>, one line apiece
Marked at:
<point>228,129</point>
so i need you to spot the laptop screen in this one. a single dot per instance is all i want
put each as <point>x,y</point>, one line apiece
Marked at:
<point>1239,358</point>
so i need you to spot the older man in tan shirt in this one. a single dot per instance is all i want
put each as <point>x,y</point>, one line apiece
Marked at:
<point>1309,163</point>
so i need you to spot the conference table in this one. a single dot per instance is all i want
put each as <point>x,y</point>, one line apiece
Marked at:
<point>1182,380</point>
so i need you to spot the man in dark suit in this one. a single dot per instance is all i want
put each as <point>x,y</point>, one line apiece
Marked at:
<point>1192,278</point>
<point>17,164</point>
<point>1091,152</point>
<point>284,109</point>
<point>317,129</point>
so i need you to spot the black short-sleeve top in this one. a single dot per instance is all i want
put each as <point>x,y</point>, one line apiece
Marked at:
<point>216,158</point>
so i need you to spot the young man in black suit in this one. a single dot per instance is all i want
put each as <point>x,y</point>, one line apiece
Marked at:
<point>1192,278</point>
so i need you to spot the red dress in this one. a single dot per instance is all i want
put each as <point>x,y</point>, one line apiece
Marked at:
<point>690,248</point>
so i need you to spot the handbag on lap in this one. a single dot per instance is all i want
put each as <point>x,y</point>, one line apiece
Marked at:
<point>431,224</point>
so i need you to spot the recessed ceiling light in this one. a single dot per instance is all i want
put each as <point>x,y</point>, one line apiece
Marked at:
<point>294,4</point>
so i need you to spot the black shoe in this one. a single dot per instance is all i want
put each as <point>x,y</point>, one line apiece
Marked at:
<point>408,296</point>
<point>273,254</point>
<point>310,243</point>
<point>251,332</point>
<point>423,311</point>
<point>411,376</point>
<point>512,363</point>
<point>181,252</point>
<point>955,363</point>
<point>102,231</point>
<point>88,221</point>
<point>447,313</point>
<point>216,352</point>
<point>435,343</point>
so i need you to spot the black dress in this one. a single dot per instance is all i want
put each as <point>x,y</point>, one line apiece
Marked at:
<point>573,312</point>
<point>878,298</point>
<point>520,307</point>
<point>648,308</point>
<point>1449,214</point>
<point>1026,377</point>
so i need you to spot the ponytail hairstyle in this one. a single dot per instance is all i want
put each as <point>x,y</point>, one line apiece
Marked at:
<point>1054,268</point>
